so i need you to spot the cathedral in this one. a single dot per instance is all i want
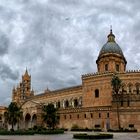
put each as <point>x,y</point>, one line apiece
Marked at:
<point>91,104</point>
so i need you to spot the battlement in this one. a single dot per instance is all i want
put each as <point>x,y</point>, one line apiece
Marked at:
<point>95,74</point>
<point>132,71</point>
<point>107,73</point>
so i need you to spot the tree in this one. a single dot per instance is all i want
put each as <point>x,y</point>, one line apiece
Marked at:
<point>19,115</point>
<point>116,84</point>
<point>50,116</point>
<point>13,114</point>
<point>5,119</point>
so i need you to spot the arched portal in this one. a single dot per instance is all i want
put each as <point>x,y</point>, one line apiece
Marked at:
<point>27,121</point>
<point>34,120</point>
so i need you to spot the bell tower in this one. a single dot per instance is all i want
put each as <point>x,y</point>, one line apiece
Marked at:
<point>26,84</point>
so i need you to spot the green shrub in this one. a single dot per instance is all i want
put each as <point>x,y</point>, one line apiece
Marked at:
<point>81,129</point>
<point>95,136</point>
<point>16,133</point>
<point>32,132</point>
<point>122,130</point>
<point>64,129</point>
<point>46,132</point>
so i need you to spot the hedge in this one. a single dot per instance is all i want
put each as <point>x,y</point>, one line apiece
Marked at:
<point>122,130</point>
<point>31,132</point>
<point>95,136</point>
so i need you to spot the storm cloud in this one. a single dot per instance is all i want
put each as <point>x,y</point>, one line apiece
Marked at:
<point>59,40</point>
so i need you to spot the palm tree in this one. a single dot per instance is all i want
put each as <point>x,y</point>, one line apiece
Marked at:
<point>13,114</point>
<point>116,84</point>
<point>5,119</point>
<point>19,114</point>
<point>50,116</point>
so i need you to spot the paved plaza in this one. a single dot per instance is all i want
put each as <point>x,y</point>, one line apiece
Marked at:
<point>68,136</point>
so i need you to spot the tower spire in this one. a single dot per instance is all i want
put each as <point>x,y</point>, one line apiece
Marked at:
<point>26,72</point>
<point>26,75</point>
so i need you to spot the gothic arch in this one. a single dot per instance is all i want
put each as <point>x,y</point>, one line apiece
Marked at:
<point>34,120</point>
<point>27,121</point>
<point>130,85</point>
<point>123,87</point>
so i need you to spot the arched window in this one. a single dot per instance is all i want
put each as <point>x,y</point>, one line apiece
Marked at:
<point>117,67</point>
<point>130,88</point>
<point>107,115</point>
<point>106,67</point>
<point>128,102</point>
<point>66,103</point>
<point>75,103</point>
<point>99,115</point>
<point>137,88</point>
<point>58,104</point>
<point>77,116</point>
<point>85,116</point>
<point>97,93</point>
<point>122,103</point>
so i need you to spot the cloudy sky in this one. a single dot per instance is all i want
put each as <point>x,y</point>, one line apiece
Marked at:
<point>59,40</point>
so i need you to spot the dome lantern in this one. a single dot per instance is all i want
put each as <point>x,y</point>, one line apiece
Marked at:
<point>111,37</point>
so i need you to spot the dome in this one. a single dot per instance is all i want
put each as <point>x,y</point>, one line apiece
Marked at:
<point>111,57</point>
<point>111,46</point>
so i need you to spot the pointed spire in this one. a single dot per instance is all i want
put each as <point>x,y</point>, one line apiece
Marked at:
<point>111,36</point>
<point>26,73</point>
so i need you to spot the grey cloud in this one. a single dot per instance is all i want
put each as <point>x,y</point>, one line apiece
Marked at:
<point>4,43</point>
<point>61,39</point>
<point>7,73</point>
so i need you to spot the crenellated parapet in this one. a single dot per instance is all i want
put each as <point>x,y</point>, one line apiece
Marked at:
<point>133,71</point>
<point>97,74</point>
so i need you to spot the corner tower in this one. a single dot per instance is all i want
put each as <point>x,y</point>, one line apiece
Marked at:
<point>111,57</point>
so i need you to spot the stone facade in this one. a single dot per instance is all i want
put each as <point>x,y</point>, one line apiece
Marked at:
<point>2,110</point>
<point>91,104</point>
